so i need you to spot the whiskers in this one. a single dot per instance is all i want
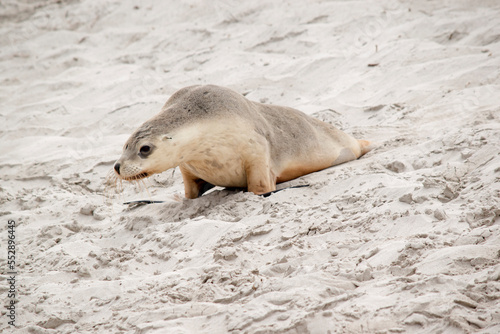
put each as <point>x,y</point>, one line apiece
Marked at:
<point>114,184</point>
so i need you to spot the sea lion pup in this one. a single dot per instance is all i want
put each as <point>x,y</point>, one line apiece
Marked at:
<point>216,136</point>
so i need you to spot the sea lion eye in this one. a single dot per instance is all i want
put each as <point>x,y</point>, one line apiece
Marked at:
<point>144,151</point>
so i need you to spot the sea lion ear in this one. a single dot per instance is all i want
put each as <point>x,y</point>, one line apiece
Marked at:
<point>165,137</point>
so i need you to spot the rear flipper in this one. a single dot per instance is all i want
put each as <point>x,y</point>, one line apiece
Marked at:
<point>365,145</point>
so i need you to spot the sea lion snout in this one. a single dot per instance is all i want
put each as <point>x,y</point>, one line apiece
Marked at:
<point>117,168</point>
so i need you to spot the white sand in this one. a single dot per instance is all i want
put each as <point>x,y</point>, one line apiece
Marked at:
<point>404,240</point>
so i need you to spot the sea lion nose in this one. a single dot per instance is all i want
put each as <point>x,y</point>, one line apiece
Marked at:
<point>117,168</point>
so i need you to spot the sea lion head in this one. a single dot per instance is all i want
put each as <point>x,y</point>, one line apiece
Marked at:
<point>149,150</point>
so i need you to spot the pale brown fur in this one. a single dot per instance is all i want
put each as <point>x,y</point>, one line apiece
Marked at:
<point>216,135</point>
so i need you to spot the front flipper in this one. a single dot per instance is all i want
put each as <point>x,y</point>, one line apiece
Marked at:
<point>205,187</point>
<point>260,178</point>
<point>275,191</point>
<point>193,185</point>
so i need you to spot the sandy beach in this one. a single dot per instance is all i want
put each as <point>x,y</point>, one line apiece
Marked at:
<point>404,240</point>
